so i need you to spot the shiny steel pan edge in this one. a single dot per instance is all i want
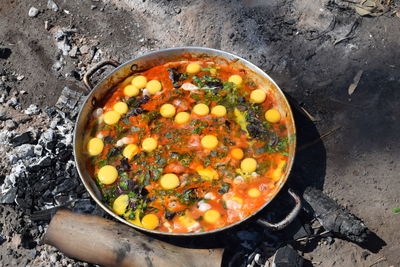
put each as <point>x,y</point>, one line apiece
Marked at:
<point>102,90</point>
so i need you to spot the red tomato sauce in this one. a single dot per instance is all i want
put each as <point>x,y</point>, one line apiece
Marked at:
<point>214,189</point>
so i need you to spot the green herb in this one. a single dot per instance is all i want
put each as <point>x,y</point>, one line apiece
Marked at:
<point>207,162</point>
<point>198,129</point>
<point>396,210</point>
<point>123,185</point>
<point>168,135</point>
<point>188,197</point>
<point>150,116</point>
<point>131,194</point>
<point>132,216</point>
<point>195,96</point>
<point>126,121</point>
<point>102,162</point>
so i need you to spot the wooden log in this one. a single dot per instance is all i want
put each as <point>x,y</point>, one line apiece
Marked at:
<point>100,241</point>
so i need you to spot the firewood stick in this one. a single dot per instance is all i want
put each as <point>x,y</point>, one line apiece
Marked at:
<point>100,241</point>
<point>334,217</point>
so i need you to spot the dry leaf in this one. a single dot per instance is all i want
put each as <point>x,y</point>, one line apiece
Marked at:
<point>355,82</point>
<point>361,11</point>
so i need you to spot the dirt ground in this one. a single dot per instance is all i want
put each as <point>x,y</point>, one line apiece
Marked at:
<point>312,48</point>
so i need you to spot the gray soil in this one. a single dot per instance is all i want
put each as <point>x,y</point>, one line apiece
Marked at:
<point>299,43</point>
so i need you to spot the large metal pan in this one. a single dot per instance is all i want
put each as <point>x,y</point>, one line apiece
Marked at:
<point>101,91</point>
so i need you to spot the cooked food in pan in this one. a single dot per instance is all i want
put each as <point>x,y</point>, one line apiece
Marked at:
<point>188,146</point>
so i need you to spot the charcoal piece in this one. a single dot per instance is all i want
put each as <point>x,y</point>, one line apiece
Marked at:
<point>5,52</point>
<point>334,217</point>
<point>51,145</point>
<point>43,163</point>
<point>84,206</point>
<point>24,138</point>
<point>287,257</point>
<point>66,186</point>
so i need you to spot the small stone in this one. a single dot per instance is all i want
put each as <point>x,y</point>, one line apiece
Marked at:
<point>177,10</point>
<point>22,92</point>
<point>46,25</point>
<point>48,135</point>
<point>10,125</point>
<point>12,102</point>
<point>33,11</point>
<point>93,7</point>
<point>53,123</point>
<point>3,115</point>
<point>8,197</point>
<point>73,51</point>
<point>52,5</point>
<point>57,66</point>
<point>32,110</point>
<point>53,258</point>
<point>38,150</point>
<point>84,49</point>
<point>5,52</point>
<point>20,77</point>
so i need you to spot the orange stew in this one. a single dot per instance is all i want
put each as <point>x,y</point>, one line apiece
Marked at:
<point>188,146</point>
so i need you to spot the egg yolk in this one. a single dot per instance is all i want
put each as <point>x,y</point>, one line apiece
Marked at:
<point>130,151</point>
<point>167,110</point>
<point>131,90</point>
<point>219,111</point>
<point>182,117</point>
<point>150,221</point>
<point>169,181</point>
<point>211,216</point>
<point>121,107</point>
<point>107,174</point>
<point>209,141</point>
<point>258,96</point>
<point>248,165</point>
<point>254,192</point>
<point>201,109</point>
<point>120,204</point>
<point>149,144</point>
<point>237,153</point>
<point>95,146</point>
<point>193,68</point>
<point>236,79</point>
<point>272,115</point>
<point>154,87</point>
<point>111,117</point>
<point>139,81</point>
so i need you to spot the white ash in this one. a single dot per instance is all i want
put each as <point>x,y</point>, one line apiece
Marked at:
<point>32,110</point>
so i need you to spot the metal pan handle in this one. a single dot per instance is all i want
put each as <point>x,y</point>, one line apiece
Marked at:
<point>288,219</point>
<point>94,69</point>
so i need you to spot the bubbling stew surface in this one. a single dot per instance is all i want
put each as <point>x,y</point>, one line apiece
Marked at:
<point>188,146</point>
